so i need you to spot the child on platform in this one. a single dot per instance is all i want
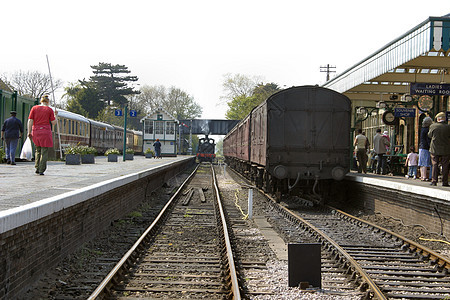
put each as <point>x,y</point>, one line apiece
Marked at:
<point>412,163</point>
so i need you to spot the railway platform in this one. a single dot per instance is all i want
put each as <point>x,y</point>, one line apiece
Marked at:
<point>19,185</point>
<point>402,184</point>
<point>413,202</point>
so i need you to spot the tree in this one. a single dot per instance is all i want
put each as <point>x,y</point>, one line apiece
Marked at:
<point>111,84</point>
<point>83,98</point>
<point>177,102</point>
<point>239,85</point>
<point>242,105</point>
<point>32,84</point>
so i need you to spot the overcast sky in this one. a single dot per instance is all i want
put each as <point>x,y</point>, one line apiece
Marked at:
<point>192,44</point>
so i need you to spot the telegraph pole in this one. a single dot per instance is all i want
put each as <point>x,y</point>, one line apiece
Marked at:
<point>328,70</point>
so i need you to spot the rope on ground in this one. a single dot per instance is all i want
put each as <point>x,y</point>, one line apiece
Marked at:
<point>433,240</point>
<point>236,195</point>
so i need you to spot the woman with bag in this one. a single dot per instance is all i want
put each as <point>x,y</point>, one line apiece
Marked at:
<point>39,129</point>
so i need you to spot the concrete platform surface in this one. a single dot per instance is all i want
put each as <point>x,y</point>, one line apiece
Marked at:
<point>20,185</point>
<point>400,183</point>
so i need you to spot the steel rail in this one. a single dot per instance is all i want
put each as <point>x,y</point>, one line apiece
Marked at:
<point>364,276</point>
<point>434,256</point>
<point>122,264</point>
<point>231,265</point>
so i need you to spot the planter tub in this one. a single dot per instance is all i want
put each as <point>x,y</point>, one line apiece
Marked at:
<point>88,159</point>
<point>73,159</point>
<point>129,156</point>
<point>148,155</point>
<point>112,157</point>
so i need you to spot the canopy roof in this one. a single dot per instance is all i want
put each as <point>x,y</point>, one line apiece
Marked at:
<point>420,55</point>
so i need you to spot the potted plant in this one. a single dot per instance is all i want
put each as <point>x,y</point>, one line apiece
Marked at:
<point>149,153</point>
<point>2,154</point>
<point>112,154</point>
<point>129,154</point>
<point>88,154</point>
<point>73,155</point>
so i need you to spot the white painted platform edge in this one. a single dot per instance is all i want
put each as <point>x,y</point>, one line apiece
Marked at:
<point>403,187</point>
<point>18,216</point>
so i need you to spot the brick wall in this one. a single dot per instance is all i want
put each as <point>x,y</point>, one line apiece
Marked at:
<point>26,252</point>
<point>432,213</point>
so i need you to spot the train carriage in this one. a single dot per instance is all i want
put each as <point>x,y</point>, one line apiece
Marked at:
<point>298,136</point>
<point>74,130</point>
<point>138,142</point>
<point>102,136</point>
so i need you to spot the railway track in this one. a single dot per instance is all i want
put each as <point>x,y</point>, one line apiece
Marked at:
<point>185,253</point>
<point>380,263</point>
<point>384,265</point>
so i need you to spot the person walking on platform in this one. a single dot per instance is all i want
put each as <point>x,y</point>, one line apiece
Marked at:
<point>411,163</point>
<point>361,144</point>
<point>12,131</point>
<point>157,146</point>
<point>440,148</point>
<point>380,144</point>
<point>39,130</point>
<point>424,149</point>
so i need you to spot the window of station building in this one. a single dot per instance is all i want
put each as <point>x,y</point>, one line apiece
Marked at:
<point>170,128</point>
<point>159,127</point>
<point>148,127</point>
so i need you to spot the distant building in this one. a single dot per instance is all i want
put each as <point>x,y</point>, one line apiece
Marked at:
<point>160,124</point>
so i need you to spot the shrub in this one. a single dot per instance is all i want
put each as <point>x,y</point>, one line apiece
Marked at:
<point>150,151</point>
<point>129,151</point>
<point>112,151</point>
<point>72,149</point>
<point>2,154</point>
<point>87,150</point>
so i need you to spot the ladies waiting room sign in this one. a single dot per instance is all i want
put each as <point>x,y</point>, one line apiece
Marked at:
<point>442,89</point>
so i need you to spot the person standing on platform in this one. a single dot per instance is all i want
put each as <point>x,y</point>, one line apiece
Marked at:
<point>380,144</point>
<point>12,131</point>
<point>157,146</point>
<point>424,149</point>
<point>411,163</point>
<point>361,144</point>
<point>440,148</point>
<point>39,130</point>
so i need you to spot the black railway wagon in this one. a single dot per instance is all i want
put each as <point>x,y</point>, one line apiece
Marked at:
<point>299,137</point>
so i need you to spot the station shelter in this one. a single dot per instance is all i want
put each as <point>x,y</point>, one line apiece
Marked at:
<point>396,87</point>
<point>159,124</point>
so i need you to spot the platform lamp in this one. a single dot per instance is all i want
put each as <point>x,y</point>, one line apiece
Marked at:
<point>125,132</point>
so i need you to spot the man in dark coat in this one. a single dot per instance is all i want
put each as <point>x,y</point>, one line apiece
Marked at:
<point>440,148</point>
<point>157,146</point>
<point>12,131</point>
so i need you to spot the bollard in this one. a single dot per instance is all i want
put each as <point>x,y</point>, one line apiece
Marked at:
<point>250,203</point>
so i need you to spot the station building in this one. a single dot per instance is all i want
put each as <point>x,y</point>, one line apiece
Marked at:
<point>396,87</point>
<point>159,124</point>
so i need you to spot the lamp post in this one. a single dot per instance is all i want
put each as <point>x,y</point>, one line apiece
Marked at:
<point>125,132</point>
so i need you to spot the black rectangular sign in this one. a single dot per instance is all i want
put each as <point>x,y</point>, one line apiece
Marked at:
<point>430,89</point>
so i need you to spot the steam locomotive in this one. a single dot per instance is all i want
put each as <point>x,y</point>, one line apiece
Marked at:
<point>206,149</point>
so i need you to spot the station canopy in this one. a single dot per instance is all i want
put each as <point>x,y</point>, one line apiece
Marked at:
<point>421,55</point>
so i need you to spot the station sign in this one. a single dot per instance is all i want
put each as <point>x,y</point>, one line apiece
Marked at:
<point>133,113</point>
<point>118,112</point>
<point>442,89</point>
<point>403,112</point>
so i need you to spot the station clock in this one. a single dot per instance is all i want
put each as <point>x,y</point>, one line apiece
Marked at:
<point>389,117</point>
<point>425,103</point>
